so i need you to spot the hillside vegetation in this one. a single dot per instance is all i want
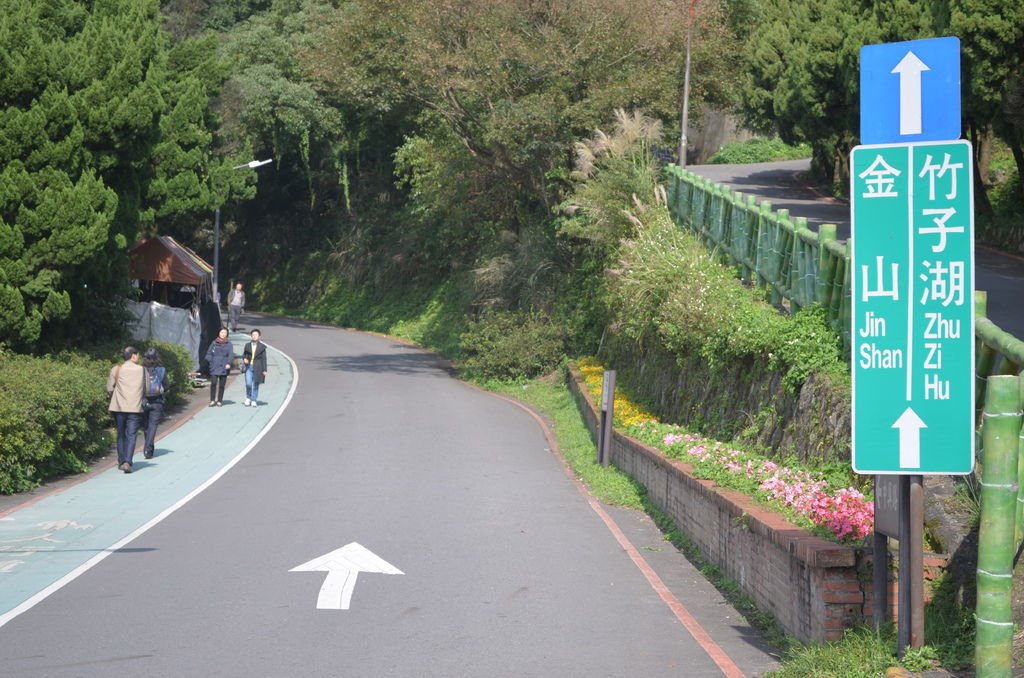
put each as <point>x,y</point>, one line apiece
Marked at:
<point>480,176</point>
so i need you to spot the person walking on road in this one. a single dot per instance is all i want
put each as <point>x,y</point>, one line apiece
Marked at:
<point>153,406</point>
<point>125,385</point>
<point>254,361</point>
<point>219,357</point>
<point>236,305</point>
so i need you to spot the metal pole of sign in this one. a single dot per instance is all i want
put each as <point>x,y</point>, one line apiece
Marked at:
<point>604,437</point>
<point>911,590</point>
<point>903,614</point>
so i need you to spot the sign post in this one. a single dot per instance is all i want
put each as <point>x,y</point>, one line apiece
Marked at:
<point>912,268</point>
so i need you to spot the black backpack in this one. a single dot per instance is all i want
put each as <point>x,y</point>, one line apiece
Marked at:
<point>154,382</point>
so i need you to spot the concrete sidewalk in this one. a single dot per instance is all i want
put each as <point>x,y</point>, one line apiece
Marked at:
<point>50,540</point>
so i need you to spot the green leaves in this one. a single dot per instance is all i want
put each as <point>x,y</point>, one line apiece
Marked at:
<point>802,65</point>
<point>81,88</point>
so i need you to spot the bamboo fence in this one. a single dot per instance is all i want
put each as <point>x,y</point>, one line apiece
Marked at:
<point>797,267</point>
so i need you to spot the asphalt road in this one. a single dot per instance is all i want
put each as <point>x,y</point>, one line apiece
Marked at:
<point>999,274</point>
<point>506,568</point>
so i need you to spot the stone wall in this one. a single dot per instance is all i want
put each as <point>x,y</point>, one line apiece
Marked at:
<point>738,402</point>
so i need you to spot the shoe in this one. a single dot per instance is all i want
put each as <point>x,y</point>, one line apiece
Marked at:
<point>220,404</point>
<point>149,455</point>
<point>212,403</point>
<point>125,466</point>
<point>120,467</point>
<point>129,468</point>
<point>253,404</point>
<point>247,402</point>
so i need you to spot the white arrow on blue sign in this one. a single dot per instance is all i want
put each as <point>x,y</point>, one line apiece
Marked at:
<point>910,91</point>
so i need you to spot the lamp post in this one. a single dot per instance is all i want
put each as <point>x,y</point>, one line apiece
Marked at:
<point>686,89</point>
<point>252,164</point>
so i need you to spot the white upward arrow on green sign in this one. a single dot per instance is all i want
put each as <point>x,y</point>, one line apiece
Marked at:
<point>912,304</point>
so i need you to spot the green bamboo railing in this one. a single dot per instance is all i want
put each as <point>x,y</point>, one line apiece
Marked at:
<point>997,543</point>
<point>781,255</point>
<point>798,267</point>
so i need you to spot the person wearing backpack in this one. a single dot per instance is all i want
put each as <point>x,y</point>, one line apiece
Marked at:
<point>155,385</point>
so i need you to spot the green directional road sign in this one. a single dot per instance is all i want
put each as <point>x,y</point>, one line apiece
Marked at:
<point>912,265</point>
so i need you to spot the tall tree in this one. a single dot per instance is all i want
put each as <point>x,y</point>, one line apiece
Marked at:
<point>80,98</point>
<point>498,91</point>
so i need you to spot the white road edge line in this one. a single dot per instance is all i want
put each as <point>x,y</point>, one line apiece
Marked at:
<point>95,560</point>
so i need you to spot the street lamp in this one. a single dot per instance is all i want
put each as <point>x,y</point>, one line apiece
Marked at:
<point>252,164</point>
<point>685,122</point>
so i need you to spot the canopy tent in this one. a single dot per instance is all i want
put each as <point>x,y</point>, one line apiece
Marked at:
<point>163,259</point>
<point>176,303</point>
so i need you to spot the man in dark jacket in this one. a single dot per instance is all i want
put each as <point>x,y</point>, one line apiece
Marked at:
<point>254,359</point>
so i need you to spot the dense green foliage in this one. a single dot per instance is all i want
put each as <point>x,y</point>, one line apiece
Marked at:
<point>801,67</point>
<point>104,129</point>
<point>759,149</point>
<point>80,95</point>
<point>669,290</point>
<point>49,411</point>
<point>437,173</point>
<point>512,345</point>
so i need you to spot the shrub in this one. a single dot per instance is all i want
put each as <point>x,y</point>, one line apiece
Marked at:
<point>53,417</point>
<point>670,290</point>
<point>511,345</point>
<point>759,149</point>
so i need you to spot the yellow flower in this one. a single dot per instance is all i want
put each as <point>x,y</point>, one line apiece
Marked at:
<point>627,412</point>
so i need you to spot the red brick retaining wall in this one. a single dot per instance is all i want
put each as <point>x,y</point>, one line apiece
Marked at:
<point>814,588</point>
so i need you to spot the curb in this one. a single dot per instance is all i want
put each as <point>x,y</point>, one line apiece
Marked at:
<point>71,481</point>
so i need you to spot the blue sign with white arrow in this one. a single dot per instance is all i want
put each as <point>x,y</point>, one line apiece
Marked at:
<point>910,91</point>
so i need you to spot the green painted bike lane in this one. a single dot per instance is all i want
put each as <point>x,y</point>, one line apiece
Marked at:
<point>49,543</point>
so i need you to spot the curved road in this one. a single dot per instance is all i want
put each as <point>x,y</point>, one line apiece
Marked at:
<point>1001,275</point>
<point>479,555</point>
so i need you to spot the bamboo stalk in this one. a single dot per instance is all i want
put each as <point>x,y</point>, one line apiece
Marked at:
<point>994,616</point>
<point>1019,522</point>
<point>845,309</point>
<point>826,266</point>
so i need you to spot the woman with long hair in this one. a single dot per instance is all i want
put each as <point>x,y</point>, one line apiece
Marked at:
<point>154,386</point>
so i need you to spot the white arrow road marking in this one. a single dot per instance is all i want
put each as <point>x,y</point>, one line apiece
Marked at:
<point>910,426</point>
<point>909,69</point>
<point>343,567</point>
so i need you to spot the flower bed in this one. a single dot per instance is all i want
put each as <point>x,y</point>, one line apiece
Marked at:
<point>844,514</point>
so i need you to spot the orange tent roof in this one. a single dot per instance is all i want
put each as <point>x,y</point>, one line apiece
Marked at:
<point>164,259</point>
